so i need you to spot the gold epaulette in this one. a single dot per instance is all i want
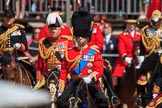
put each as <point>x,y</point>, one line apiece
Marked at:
<point>19,25</point>
<point>67,37</point>
<point>63,26</point>
<point>40,41</point>
<point>138,33</point>
<point>125,33</point>
<point>95,47</point>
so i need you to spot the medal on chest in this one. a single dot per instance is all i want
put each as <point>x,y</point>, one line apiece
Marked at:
<point>89,57</point>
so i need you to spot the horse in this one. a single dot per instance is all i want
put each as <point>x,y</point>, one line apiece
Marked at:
<point>78,94</point>
<point>14,71</point>
<point>126,88</point>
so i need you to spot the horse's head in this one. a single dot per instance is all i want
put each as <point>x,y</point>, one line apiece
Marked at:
<point>73,102</point>
<point>8,66</point>
<point>6,58</point>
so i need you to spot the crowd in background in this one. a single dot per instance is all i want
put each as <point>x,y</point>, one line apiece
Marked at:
<point>36,7</point>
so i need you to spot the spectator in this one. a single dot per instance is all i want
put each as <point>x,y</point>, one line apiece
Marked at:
<point>32,52</point>
<point>20,9</point>
<point>110,43</point>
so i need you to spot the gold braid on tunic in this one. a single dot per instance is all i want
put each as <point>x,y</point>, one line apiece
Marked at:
<point>5,36</point>
<point>150,42</point>
<point>50,51</point>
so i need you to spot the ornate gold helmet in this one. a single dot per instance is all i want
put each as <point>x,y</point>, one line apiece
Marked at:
<point>156,19</point>
<point>156,14</point>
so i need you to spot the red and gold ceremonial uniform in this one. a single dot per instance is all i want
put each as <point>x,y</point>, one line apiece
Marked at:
<point>125,48</point>
<point>96,37</point>
<point>47,59</point>
<point>65,30</point>
<point>78,64</point>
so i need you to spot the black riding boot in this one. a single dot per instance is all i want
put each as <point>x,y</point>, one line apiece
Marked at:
<point>140,92</point>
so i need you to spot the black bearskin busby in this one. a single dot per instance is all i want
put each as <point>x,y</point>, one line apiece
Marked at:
<point>82,23</point>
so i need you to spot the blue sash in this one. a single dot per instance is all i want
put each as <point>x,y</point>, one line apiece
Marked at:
<point>83,63</point>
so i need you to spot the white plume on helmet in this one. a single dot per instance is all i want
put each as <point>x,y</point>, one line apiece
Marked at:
<point>51,19</point>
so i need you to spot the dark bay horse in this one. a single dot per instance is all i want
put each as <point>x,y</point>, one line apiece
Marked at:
<point>126,88</point>
<point>14,71</point>
<point>78,94</point>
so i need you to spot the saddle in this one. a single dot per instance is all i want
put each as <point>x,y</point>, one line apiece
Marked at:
<point>83,94</point>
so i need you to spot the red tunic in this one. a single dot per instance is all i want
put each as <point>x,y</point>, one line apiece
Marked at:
<point>96,37</point>
<point>93,68</point>
<point>65,30</point>
<point>125,47</point>
<point>51,61</point>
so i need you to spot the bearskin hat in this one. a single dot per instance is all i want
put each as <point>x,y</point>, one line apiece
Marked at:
<point>82,23</point>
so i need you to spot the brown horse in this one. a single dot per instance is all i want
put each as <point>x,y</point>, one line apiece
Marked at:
<point>14,71</point>
<point>126,88</point>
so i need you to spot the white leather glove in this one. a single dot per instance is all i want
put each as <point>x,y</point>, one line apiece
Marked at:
<point>128,60</point>
<point>59,94</point>
<point>140,60</point>
<point>87,80</point>
<point>154,95</point>
<point>160,52</point>
<point>17,45</point>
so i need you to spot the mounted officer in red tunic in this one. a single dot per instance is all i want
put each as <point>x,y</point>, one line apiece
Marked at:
<point>82,62</point>
<point>51,49</point>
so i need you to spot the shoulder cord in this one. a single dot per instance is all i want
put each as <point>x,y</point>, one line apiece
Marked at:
<point>150,44</point>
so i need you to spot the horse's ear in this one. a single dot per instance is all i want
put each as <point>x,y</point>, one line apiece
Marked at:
<point>6,58</point>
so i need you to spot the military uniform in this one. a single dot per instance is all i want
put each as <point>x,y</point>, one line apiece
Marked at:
<point>96,37</point>
<point>125,48</point>
<point>150,45</point>
<point>150,76</point>
<point>87,62</point>
<point>47,59</point>
<point>10,36</point>
<point>82,62</point>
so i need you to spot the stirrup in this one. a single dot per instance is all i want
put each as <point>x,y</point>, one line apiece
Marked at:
<point>138,102</point>
<point>115,100</point>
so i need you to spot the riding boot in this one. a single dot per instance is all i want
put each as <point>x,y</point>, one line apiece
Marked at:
<point>140,92</point>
